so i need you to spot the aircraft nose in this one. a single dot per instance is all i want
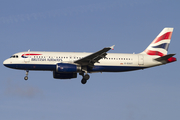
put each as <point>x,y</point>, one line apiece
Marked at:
<point>5,62</point>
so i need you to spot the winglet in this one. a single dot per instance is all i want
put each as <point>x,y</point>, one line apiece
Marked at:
<point>112,47</point>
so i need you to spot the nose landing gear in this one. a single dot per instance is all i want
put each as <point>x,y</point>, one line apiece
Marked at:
<point>26,77</point>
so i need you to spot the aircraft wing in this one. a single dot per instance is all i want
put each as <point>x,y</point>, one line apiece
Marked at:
<point>94,57</point>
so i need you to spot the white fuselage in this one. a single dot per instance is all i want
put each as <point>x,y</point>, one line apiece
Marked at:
<point>114,62</point>
<point>66,65</point>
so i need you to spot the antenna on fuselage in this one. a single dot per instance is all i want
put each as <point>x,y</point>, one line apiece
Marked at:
<point>29,50</point>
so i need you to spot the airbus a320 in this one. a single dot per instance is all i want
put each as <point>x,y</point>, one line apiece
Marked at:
<point>66,65</point>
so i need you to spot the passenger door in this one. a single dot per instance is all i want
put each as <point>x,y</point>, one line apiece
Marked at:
<point>140,59</point>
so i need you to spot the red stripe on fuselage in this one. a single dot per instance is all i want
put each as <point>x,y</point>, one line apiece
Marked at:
<point>163,37</point>
<point>30,54</point>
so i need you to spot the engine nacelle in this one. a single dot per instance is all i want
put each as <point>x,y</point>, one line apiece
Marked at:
<point>64,75</point>
<point>67,68</point>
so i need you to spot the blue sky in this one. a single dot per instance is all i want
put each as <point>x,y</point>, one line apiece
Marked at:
<point>88,26</point>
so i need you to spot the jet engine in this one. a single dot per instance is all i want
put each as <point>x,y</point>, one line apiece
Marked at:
<point>67,68</point>
<point>64,75</point>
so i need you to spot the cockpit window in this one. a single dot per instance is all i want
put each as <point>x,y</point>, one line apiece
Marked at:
<point>14,56</point>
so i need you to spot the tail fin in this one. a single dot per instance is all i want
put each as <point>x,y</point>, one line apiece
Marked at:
<point>160,44</point>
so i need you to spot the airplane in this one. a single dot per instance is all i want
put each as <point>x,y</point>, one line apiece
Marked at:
<point>66,65</point>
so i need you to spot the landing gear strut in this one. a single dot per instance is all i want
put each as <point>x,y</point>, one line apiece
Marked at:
<point>85,78</point>
<point>26,77</point>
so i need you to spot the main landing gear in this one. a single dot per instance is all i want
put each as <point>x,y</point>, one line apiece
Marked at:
<point>85,78</point>
<point>26,77</point>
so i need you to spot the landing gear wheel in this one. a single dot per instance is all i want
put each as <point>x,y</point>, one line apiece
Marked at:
<point>83,81</point>
<point>86,76</point>
<point>26,78</point>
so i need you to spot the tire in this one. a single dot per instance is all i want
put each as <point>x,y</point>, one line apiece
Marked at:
<point>83,81</point>
<point>26,78</point>
<point>86,77</point>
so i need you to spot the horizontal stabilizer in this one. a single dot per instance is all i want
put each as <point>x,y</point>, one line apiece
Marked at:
<point>166,57</point>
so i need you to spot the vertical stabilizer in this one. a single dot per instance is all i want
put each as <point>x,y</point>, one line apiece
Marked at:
<point>160,44</point>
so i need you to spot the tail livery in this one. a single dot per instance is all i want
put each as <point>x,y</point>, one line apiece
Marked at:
<point>160,44</point>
